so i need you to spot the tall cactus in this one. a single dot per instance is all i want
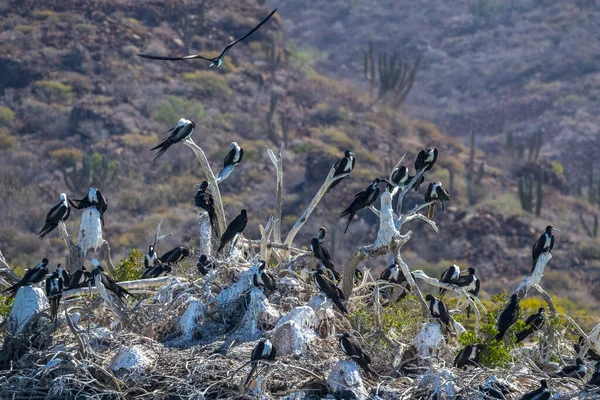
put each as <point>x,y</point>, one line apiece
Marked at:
<point>526,184</point>
<point>591,232</point>
<point>539,192</point>
<point>271,114</point>
<point>272,56</point>
<point>96,170</point>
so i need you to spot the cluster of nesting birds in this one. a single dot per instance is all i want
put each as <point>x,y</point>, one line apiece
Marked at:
<point>325,277</point>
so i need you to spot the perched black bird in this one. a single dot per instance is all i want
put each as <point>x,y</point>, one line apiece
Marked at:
<point>59,212</point>
<point>204,264</point>
<point>435,191</point>
<point>204,200</point>
<point>330,289</point>
<point>534,323</point>
<point>544,244</point>
<point>54,291</point>
<point>216,61</point>
<point>182,131</point>
<point>108,282</point>
<point>93,198</point>
<point>321,234</point>
<point>539,394</point>
<point>64,274</point>
<point>157,271</point>
<point>174,256</point>
<point>450,275</point>
<point>361,200</point>
<point>354,351</point>
<point>471,283</point>
<point>426,159</point>
<point>321,252</point>
<point>418,183</point>
<point>264,279</point>
<point>343,166</point>
<point>508,316</point>
<point>393,274</point>
<point>234,155</point>
<point>33,276</point>
<point>80,278</point>
<point>151,259</point>
<point>576,371</point>
<point>236,226</point>
<point>264,350</point>
<point>468,356</point>
<point>399,177</point>
<point>595,379</point>
<point>438,310</point>
<point>496,390</point>
<point>591,353</point>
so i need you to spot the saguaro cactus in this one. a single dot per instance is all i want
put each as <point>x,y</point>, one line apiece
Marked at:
<point>95,170</point>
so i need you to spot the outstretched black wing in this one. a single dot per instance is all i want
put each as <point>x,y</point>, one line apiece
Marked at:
<point>236,41</point>
<point>190,57</point>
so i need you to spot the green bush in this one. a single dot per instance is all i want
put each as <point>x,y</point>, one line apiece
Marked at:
<point>7,116</point>
<point>54,90</point>
<point>174,108</point>
<point>6,140</point>
<point>210,84</point>
<point>130,268</point>
<point>66,157</point>
<point>5,306</point>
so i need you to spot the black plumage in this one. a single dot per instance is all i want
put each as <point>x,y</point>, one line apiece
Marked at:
<point>393,274</point>
<point>343,166</point>
<point>264,279</point>
<point>450,275</point>
<point>174,256</point>
<point>330,289</point>
<point>436,192</point>
<point>157,271</point>
<point>205,200</point>
<point>80,278</point>
<point>508,316</point>
<point>576,371</point>
<point>544,244</point>
<point>107,281</point>
<point>264,351</point>
<point>179,133</point>
<point>354,351</point>
<point>539,394</point>
<point>54,291</point>
<point>216,61</point>
<point>321,252</point>
<point>534,323</point>
<point>591,353</point>
<point>234,155</point>
<point>59,212</point>
<point>236,226</point>
<point>496,390</point>
<point>93,198</point>
<point>204,264</point>
<point>33,276</point>
<point>361,200</point>
<point>595,379</point>
<point>64,274</point>
<point>151,258</point>
<point>471,283</point>
<point>469,356</point>
<point>438,310</point>
<point>426,159</point>
<point>399,177</point>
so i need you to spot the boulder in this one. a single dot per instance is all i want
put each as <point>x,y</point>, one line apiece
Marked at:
<point>260,315</point>
<point>345,378</point>
<point>324,312</point>
<point>131,360</point>
<point>429,340</point>
<point>295,331</point>
<point>188,323</point>
<point>28,302</point>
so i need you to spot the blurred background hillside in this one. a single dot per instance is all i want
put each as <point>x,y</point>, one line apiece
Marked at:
<point>506,90</point>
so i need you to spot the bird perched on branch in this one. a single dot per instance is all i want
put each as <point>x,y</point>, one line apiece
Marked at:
<point>591,353</point>
<point>321,234</point>
<point>534,323</point>
<point>33,276</point>
<point>262,278</point>
<point>595,379</point>
<point>93,198</point>
<point>508,316</point>
<point>450,275</point>
<point>435,191</point>
<point>234,155</point>
<point>157,271</point>
<point>469,356</point>
<point>80,278</point>
<point>216,61</point>
<point>393,274</point>
<point>151,258</point>
<point>543,245</point>
<point>174,256</point>
<point>399,177</point>
<point>204,264</point>
<point>236,226</point>
<point>204,200</point>
<point>179,133</point>
<point>354,351</point>
<point>539,394</point>
<point>361,200</point>
<point>343,166</point>
<point>54,291</point>
<point>438,310</point>
<point>59,212</point>
<point>471,283</point>
<point>330,289</point>
<point>426,159</point>
<point>64,274</point>
<point>264,351</point>
<point>576,371</point>
<point>107,281</point>
<point>321,252</point>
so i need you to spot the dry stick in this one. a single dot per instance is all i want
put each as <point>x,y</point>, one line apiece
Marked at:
<point>313,204</point>
<point>407,188</point>
<point>6,271</point>
<point>266,234</point>
<point>406,272</point>
<point>212,180</point>
<point>157,236</point>
<point>137,284</point>
<point>76,256</point>
<point>278,163</point>
<point>82,351</point>
<point>205,245</point>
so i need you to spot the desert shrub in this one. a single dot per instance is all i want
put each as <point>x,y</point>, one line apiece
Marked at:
<point>66,157</point>
<point>209,84</point>
<point>130,268</point>
<point>329,114</point>
<point>5,306</point>
<point>53,90</point>
<point>334,136</point>
<point>7,116</point>
<point>174,108</point>
<point>304,59</point>
<point>6,140</point>
<point>135,140</point>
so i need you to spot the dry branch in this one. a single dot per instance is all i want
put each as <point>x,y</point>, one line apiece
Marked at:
<point>278,163</point>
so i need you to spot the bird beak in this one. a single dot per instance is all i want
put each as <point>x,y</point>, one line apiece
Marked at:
<point>554,229</point>
<point>197,185</point>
